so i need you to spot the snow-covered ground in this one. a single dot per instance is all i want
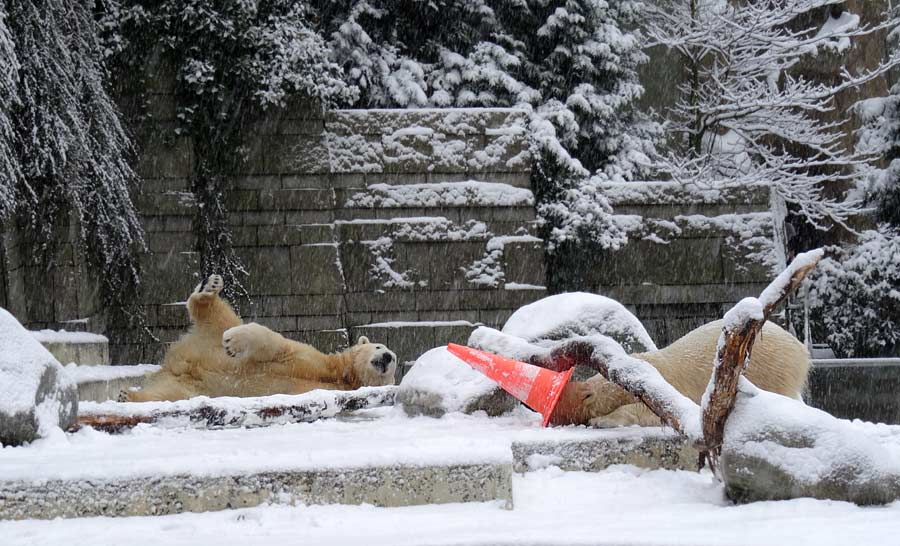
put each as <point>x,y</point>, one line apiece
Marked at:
<point>620,506</point>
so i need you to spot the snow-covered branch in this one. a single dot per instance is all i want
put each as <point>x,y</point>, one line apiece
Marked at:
<point>748,118</point>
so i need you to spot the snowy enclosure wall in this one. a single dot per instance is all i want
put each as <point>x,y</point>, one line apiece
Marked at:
<point>408,226</point>
<point>690,256</point>
<point>357,222</point>
<point>405,226</point>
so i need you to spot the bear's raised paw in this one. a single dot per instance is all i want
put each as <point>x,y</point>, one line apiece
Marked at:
<point>212,285</point>
<point>123,396</point>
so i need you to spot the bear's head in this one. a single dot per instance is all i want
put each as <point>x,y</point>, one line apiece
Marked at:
<point>373,363</point>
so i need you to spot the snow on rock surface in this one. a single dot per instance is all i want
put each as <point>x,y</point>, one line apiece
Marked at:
<point>36,395</point>
<point>579,314</point>
<point>621,505</point>
<point>778,448</point>
<point>63,336</point>
<point>87,374</point>
<point>442,194</point>
<point>440,383</point>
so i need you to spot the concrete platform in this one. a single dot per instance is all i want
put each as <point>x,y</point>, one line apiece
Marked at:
<point>82,348</point>
<point>376,456</point>
<point>381,486</point>
<point>101,383</point>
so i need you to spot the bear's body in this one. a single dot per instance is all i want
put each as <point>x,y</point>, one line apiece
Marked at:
<point>778,363</point>
<point>219,356</point>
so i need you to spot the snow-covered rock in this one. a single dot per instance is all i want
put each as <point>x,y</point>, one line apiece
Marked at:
<point>36,394</point>
<point>440,383</point>
<point>778,448</point>
<point>579,314</point>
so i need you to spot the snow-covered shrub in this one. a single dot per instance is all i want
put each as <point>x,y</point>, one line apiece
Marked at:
<point>854,301</point>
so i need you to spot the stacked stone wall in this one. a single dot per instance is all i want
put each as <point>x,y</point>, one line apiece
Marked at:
<point>350,223</point>
<point>690,255</point>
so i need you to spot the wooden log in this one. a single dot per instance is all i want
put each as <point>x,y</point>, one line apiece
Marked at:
<point>215,413</point>
<point>742,324</point>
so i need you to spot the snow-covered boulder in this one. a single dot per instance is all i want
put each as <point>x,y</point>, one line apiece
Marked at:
<point>36,395</point>
<point>579,314</point>
<point>440,383</point>
<point>778,448</point>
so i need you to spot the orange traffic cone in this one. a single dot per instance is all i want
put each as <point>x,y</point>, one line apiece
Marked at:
<point>539,388</point>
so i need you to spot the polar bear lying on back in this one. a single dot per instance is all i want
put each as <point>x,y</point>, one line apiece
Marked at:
<point>778,363</point>
<point>219,356</point>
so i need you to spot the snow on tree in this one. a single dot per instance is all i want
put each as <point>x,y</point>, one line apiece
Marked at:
<point>743,117</point>
<point>9,97</point>
<point>64,152</point>
<point>854,299</point>
<point>571,64</point>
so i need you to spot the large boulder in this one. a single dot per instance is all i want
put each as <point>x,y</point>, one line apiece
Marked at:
<point>440,383</point>
<point>36,395</point>
<point>542,324</point>
<point>778,448</point>
<point>563,316</point>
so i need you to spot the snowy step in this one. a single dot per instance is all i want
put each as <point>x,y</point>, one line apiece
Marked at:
<point>376,456</point>
<point>644,447</point>
<point>386,486</point>
<point>82,348</point>
<point>101,383</point>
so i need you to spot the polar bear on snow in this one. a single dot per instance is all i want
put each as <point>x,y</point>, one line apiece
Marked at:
<point>779,363</point>
<point>220,356</point>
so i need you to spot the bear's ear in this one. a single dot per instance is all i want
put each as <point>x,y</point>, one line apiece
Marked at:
<point>362,340</point>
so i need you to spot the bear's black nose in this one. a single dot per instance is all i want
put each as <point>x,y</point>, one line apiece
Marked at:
<point>383,362</point>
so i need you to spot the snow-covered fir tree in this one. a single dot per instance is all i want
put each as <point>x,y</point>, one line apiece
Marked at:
<point>743,117</point>
<point>64,152</point>
<point>854,302</point>
<point>572,64</point>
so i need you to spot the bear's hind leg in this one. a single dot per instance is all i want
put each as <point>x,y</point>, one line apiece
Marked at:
<point>163,387</point>
<point>211,314</point>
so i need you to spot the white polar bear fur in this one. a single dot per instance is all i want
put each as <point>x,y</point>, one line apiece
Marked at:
<point>778,363</point>
<point>219,356</point>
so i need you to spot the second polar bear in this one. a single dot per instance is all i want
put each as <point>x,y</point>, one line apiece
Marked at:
<point>219,356</point>
<point>778,363</point>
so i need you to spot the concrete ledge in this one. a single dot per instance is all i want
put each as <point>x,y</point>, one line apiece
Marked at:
<point>101,383</point>
<point>82,348</point>
<point>646,448</point>
<point>382,486</point>
<point>108,389</point>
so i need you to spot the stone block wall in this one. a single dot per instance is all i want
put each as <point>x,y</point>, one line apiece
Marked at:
<point>690,255</point>
<point>63,296</point>
<point>407,226</point>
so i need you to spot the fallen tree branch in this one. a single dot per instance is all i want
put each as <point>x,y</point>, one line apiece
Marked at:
<point>229,412</point>
<point>742,323</point>
<point>640,379</point>
<point>637,377</point>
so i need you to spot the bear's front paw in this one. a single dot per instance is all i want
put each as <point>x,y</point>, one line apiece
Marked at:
<point>236,341</point>
<point>212,285</point>
<point>123,396</point>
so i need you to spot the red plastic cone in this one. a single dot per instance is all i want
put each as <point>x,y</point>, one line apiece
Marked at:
<point>538,387</point>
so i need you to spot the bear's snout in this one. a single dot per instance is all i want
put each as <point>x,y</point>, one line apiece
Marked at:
<point>383,362</point>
